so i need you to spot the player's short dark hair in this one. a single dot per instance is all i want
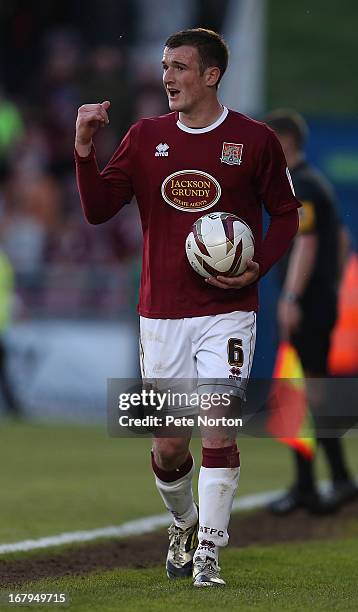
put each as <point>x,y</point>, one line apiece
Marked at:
<point>285,121</point>
<point>212,49</point>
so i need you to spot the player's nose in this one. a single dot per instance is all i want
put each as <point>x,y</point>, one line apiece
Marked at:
<point>168,77</point>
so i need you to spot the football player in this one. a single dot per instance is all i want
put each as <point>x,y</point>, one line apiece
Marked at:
<point>199,157</point>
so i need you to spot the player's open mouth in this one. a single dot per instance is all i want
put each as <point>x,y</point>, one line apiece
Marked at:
<point>173,93</point>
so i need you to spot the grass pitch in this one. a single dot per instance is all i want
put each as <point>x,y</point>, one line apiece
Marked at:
<point>314,576</point>
<point>67,478</point>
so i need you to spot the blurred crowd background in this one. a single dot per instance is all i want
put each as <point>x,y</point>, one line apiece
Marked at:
<point>55,56</point>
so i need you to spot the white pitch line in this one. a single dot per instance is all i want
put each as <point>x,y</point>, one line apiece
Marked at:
<point>133,528</point>
<point>137,527</point>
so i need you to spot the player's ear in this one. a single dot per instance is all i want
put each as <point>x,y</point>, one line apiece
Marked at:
<point>212,76</point>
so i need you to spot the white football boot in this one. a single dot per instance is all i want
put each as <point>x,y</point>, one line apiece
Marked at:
<point>206,572</point>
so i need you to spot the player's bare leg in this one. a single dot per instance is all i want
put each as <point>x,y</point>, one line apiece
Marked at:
<point>173,466</point>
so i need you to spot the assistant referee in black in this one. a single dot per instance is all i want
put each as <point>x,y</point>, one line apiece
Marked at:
<point>307,308</point>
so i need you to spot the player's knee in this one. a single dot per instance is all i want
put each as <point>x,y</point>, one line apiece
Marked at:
<point>218,442</point>
<point>169,453</point>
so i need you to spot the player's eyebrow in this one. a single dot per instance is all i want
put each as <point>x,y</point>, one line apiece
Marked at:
<point>174,63</point>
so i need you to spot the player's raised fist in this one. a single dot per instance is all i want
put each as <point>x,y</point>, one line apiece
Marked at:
<point>90,118</point>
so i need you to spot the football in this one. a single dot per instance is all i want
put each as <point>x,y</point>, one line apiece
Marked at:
<point>219,243</point>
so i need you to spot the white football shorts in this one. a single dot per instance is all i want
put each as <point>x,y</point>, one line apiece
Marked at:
<point>207,354</point>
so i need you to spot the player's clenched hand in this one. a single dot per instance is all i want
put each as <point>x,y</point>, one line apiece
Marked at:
<point>90,118</point>
<point>248,277</point>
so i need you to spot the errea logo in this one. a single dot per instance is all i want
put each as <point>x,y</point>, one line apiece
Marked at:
<point>162,150</point>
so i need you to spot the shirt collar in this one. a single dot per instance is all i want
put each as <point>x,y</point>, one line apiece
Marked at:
<point>208,128</point>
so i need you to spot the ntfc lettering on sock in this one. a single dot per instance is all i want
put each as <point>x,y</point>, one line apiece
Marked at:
<point>211,531</point>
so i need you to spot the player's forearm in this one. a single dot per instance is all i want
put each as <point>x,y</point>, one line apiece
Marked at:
<point>344,245</point>
<point>279,236</point>
<point>97,203</point>
<point>301,265</point>
<point>83,150</point>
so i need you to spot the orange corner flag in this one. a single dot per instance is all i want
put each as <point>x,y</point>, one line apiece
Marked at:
<point>290,420</point>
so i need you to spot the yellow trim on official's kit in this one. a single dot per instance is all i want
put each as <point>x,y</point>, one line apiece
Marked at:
<point>307,218</point>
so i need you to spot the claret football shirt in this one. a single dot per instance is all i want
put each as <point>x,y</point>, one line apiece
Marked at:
<point>178,174</point>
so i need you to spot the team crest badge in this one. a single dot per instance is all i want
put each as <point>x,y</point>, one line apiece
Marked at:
<point>231,153</point>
